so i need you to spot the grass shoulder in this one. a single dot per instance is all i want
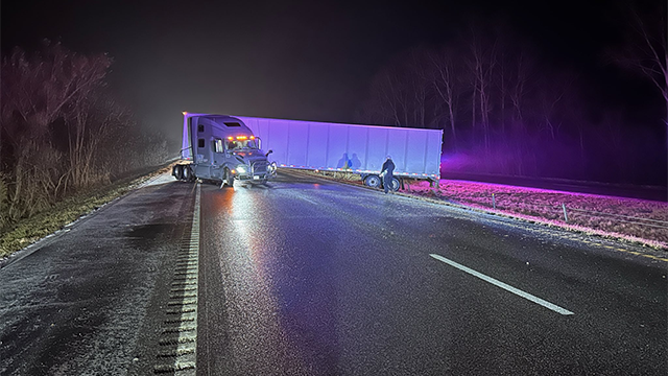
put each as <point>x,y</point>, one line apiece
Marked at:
<point>29,230</point>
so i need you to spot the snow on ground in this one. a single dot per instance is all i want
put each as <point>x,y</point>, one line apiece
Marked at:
<point>609,215</point>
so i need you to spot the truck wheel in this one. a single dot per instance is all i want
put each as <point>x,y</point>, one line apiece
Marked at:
<point>396,184</point>
<point>372,181</point>
<point>229,177</point>
<point>187,174</point>
<point>178,172</point>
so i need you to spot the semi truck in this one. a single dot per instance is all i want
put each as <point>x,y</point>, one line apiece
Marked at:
<point>222,149</point>
<point>355,148</point>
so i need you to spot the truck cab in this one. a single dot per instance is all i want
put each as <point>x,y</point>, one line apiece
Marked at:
<point>221,148</point>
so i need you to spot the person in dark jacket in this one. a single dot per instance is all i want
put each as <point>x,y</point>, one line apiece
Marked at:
<point>386,172</point>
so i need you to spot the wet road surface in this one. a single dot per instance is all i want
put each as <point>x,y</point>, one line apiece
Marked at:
<point>307,277</point>
<point>87,301</point>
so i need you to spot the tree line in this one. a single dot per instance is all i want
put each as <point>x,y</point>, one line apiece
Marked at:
<point>505,110</point>
<point>62,132</point>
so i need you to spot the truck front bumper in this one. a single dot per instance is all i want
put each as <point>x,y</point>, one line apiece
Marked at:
<point>257,178</point>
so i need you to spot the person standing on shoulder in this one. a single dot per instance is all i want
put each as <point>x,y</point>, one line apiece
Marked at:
<point>386,173</point>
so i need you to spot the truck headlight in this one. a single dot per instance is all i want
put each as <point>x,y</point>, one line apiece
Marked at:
<point>272,167</point>
<point>242,169</point>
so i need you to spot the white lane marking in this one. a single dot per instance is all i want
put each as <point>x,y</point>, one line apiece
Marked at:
<point>504,286</point>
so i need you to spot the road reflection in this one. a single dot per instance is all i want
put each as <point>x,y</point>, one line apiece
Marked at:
<point>282,284</point>
<point>258,341</point>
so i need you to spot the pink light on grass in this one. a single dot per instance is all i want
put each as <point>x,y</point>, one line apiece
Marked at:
<point>605,215</point>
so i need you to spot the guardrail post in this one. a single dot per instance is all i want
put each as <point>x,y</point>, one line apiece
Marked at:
<point>493,202</point>
<point>563,206</point>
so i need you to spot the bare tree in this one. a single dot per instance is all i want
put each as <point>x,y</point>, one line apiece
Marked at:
<point>402,92</point>
<point>37,91</point>
<point>447,83</point>
<point>550,100</point>
<point>38,87</point>
<point>381,106</point>
<point>482,62</point>
<point>519,88</point>
<point>60,131</point>
<point>91,120</point>
<point>644,50</point>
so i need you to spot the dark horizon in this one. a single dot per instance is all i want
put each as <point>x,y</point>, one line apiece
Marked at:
<point>312,61</point>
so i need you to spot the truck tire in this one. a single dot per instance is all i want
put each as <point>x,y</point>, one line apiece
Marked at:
<point>396,184</point>
<point>187,173</point>
<point>178,172</point>
<point>372,181</point>
<point>229,178</point>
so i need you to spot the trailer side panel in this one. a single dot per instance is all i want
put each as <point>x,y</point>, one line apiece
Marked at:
<point>349,147</point>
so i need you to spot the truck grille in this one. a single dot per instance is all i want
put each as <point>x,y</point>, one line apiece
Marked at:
<point>260,167</point>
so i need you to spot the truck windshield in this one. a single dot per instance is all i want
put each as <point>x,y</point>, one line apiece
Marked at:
<point>242,144</point>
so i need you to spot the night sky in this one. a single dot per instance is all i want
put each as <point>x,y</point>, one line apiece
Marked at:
<point>301,59</point>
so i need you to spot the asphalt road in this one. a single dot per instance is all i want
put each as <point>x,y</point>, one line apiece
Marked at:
<point>309,277</point>
<point>88,301</point>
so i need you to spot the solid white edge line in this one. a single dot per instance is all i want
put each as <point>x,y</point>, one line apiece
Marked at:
<point>504,286</point>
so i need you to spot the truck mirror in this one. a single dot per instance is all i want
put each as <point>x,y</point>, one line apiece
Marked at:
<point>269,152</point>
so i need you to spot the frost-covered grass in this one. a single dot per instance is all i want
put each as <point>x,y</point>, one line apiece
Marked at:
<point>29,230</point>
<point>636,220</point>
<point>628,218</point>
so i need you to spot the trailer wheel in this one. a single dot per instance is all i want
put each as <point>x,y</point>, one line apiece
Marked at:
<point>372,181</point>
<point>396,184</point>
<point>229,178</point>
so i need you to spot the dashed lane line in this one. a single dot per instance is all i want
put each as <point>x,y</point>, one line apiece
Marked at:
<point>504,286</point>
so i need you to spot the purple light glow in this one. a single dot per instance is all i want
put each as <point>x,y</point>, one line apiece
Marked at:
<point>608,215</point>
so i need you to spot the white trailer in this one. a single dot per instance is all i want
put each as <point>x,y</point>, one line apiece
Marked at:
<point>355,148</point>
